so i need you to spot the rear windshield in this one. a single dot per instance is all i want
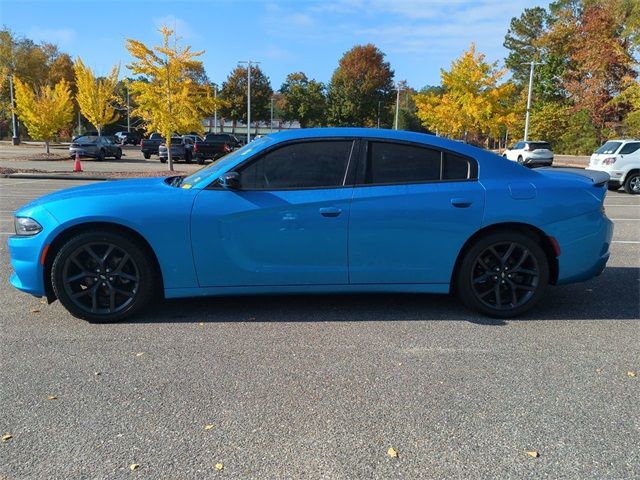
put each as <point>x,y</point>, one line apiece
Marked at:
<point>216,138</point>
<point>609,147</point>
<point>539,146</point>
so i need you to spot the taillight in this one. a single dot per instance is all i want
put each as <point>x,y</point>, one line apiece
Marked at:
<point>609,161</point>
<point>195,147</point>
<point>227,148</point>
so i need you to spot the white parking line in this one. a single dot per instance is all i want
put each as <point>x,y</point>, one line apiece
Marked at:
<point>625,219</point>
<point>625,241</point>
<point>619,205</point>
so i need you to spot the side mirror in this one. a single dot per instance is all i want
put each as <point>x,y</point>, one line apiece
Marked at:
<point>230,180</point>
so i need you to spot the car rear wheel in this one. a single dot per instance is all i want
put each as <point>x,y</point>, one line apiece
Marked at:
<point>613,187</point>
<point>118,154</point>
<point>520,159</point>
<point>147,156</point>
<point>163,160</point>
<point>100,156</point>
<point>187,156</point>
<point>102,277</point>
<point>503,275</point>
<point>632,183</point>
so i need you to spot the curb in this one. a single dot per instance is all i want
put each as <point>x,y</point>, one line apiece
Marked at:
<point>45,176</point>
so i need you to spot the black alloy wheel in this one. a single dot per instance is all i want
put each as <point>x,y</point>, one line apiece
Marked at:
<point>503,275</point>
<point>102,277</point>
<point>100,156</point>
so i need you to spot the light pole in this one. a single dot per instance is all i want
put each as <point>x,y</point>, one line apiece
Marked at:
<point>379,102</point>
<point>399,87</point>
<point>249,63</point>
<point>526,121</point>
<point>128,108</point>
<point>14,119</point>
<point>215,108</point>
<point>271,122</point>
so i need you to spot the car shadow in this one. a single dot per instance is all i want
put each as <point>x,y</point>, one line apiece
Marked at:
<point>612,296</point>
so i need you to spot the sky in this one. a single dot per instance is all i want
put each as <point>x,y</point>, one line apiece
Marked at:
<point>418,37</point>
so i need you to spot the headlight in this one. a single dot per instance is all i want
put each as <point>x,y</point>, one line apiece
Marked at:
<point>26,227</point>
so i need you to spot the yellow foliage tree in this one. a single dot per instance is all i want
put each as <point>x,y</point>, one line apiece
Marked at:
<point>44,112</point>
<point>96,97</point>
<point>169,101</point>
<point>473,104</point>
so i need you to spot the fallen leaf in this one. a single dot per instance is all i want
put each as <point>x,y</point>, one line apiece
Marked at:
<point>201,324</point>
<point>139,354</point>
<point>52,397</point>
<point>35,310</point>
<point>6,437</point>
<point>97,373</point>
<point>219,466</point>
<point>533,453</point>
<point>631,374</point>
<point>43,301</point>
<point>598,370</point>
<point>208,427</point>
<point>134,466</point>
<point>392,452</point>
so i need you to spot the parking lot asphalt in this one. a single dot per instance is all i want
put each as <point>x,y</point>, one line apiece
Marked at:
<point>323,386</point>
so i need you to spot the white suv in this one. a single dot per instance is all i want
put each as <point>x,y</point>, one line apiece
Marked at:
<point>530,153</point>
<point>621,160</point>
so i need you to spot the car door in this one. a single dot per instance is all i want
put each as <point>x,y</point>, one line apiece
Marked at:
<point>285,225</point>
<point>413,209</point>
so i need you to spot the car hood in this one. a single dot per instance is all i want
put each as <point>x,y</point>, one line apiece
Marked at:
<point>107,188</point>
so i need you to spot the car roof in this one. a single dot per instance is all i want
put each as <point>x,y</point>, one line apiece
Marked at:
<point>623,140</point>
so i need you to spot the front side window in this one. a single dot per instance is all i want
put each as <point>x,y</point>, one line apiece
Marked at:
<point>395,163</point>
<point>629,148</point>
<point>312,164</point>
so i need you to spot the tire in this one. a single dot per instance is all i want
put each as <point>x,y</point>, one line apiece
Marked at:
<point>119,280</point>
<point>163,160</point>
<point>146,155</point>
<point>632,183</point>
<point>118,154</point>
<point>520,160</point>
<point>187,156</point>
<point>100,156</point>
<point>613,187</point>
<point>522,275</point>
<point>200,160</point>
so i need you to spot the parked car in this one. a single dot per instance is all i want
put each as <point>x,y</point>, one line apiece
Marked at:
<point>181,149</point>
<point>98,147</point>
<point>127,138</point>
<point>531,154</point>
<point>150,146</point>
<point>621,160</point>
<point>214,146</point>
<point>330,210</point>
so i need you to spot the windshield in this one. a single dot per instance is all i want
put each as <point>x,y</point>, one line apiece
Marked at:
<point>222,162</point>
<point>609,147</point>
<point>86,139</point>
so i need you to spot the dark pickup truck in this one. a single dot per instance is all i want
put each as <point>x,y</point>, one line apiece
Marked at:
<point>214,146</point>
<point>150,146</point>
<point>181,149</point>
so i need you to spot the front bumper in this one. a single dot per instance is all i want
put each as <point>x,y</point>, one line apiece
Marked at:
<point>25,254</point>
<point>82,151</point>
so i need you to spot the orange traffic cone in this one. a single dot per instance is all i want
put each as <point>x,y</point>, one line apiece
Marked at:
<point>77,166</point>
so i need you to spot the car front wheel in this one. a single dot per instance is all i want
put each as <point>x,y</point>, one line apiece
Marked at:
<point>503,275</point>
<point>102,276</point>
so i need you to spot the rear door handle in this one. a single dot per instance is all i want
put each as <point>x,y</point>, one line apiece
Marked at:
<point>461,202</point>
<point>330,211</point>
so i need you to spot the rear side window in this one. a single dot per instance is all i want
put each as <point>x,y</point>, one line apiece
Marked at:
<point>300,165</point>
<point>394,163</point>
<point>629,148</point>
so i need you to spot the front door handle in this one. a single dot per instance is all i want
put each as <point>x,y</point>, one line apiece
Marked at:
<point>461,202</point>
<point>330,211</point>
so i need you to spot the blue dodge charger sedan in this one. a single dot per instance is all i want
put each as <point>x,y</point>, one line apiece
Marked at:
<point>319,211</point>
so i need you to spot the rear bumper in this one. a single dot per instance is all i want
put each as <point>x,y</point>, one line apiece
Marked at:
<point>584,243</point>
